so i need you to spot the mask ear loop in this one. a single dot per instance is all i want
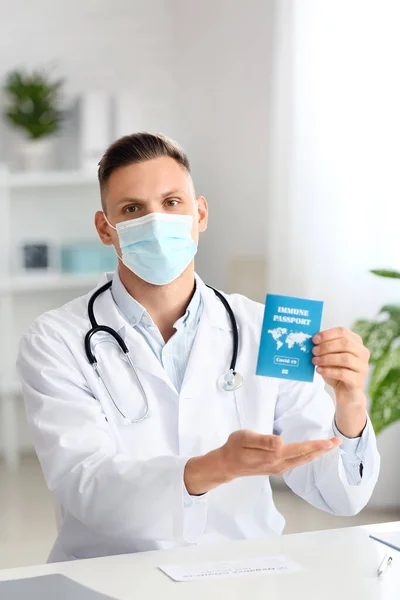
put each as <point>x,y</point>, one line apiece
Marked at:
<point>108,222</point>
<point>115,229</point>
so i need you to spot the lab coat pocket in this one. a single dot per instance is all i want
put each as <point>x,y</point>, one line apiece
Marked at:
<point>255,403</point>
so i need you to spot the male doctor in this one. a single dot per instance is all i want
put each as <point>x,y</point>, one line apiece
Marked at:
<point>166,457</point>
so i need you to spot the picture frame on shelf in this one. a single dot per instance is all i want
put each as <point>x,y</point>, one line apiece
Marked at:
<point>39,256</point>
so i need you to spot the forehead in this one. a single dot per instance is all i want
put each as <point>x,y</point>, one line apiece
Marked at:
<point>148,178</point>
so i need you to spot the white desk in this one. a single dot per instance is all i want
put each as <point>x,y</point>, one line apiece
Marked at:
<point>339,565</point>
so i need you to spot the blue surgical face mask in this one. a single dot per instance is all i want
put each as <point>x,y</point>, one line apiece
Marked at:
<point>157,247</point>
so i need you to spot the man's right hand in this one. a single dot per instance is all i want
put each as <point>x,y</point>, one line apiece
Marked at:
<point>248,453</point>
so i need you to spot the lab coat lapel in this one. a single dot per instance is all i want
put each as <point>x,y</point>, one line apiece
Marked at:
<point>143,358</point>
<point>212,349</point>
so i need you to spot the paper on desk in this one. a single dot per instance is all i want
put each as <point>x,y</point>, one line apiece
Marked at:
<point>271,565</point>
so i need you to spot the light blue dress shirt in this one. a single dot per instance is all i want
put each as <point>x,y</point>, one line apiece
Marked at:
<point>174,357</point>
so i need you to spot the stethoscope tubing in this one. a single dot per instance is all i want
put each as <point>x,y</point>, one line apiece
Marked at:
<point>96,328</point>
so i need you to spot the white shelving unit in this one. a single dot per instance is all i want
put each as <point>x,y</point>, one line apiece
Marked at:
<point>55,207</point>
<point>50,179</point>
<point>46,282</point>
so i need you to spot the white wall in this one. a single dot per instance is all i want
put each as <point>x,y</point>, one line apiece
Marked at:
<point>222,73</point>
<point>95,45</point>
<point>201,72</point>
<point>338,173</point>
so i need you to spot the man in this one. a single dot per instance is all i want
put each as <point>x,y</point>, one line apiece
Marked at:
<point>146,450</point>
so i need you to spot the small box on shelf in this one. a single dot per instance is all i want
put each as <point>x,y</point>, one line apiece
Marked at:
<point>87,257</point>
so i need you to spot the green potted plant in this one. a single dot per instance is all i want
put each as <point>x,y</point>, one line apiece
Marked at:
<point>382,338</point>
<point>33,106</point>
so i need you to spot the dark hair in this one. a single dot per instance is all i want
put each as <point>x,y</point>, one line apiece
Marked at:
<point>137,148</point>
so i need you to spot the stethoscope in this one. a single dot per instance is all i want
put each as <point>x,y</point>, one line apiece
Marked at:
<point>229,382</point>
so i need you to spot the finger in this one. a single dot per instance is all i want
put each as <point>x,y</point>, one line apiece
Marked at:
<point>258,441</point>
<point>358,338</point>
<point>339,374</point>
<point>302,448</point>
<point>291,463</point>
<point>332,334</point>
<point>338,346</point>
<point>345,360</point>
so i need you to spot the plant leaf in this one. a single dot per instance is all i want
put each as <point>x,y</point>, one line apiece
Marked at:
<point>386,363</point>
<point>385,391</point>
<point>393,310</point>
<point>381,337</point>
<point>386,273</point>
<point>33,102</point>
<point>364,329</point>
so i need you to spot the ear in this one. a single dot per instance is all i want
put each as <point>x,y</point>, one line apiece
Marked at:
<point>103,228</point>
<point>202,213</point>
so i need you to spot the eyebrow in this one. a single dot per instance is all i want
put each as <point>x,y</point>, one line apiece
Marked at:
<point>143,201</point>
<point>174,192</point>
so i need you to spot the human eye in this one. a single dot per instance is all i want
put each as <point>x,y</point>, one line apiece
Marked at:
<point>172,202</point>
<point>131,209</point>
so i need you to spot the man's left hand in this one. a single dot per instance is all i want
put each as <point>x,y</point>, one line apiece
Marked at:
<point>342,360</point>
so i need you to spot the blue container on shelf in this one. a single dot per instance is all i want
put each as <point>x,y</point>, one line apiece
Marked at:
<point>86,258</point>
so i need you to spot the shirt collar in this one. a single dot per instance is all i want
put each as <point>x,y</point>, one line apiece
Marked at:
<point>135,313</point>
<point>132,310</point>
<point>190,318</point>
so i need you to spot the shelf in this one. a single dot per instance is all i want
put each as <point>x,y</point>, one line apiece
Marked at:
<point>51,179</point>
<point>48,281</point>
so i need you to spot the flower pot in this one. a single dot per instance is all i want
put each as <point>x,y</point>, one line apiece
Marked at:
<point>36,155</point>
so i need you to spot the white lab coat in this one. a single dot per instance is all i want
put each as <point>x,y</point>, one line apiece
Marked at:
<point>121,486</point>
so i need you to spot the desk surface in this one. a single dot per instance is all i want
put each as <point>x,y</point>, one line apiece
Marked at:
<point>338,564</point>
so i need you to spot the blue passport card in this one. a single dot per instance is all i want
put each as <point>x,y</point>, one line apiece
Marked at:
<point>286,338</point>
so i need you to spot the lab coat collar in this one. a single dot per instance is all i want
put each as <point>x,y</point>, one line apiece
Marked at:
<point>213,307</point>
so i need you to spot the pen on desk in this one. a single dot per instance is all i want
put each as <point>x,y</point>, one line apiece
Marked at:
<point>387,561</point>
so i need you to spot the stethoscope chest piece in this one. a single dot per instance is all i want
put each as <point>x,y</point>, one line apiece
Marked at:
<point>231,381</point>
